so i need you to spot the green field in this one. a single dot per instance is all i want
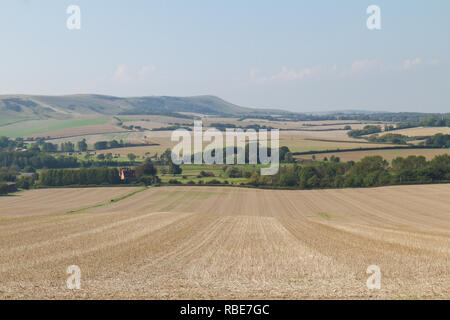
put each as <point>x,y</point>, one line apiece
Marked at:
<point>31,127</point>
<point>10,121</point>
<point>190,172</point>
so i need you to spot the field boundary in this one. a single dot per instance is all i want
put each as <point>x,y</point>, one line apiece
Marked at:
<point>110,202</point>
<point>78,135</point>
<point>270,187</point>
<point>364,149</point>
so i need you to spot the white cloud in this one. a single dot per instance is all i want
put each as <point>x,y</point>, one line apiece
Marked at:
<point>434,62</point>
<point>363,66</point>
<point>286,74</point>
<point>291,74</point>
<point>410,63</point>
<point>125,74</point>
<point>146,70</point>
<point>122,73</point>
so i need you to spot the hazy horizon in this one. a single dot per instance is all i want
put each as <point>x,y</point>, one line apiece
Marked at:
<point>296,56</point>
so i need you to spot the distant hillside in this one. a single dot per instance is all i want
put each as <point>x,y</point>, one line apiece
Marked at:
<point>15,108</point>
<point>44,107</point>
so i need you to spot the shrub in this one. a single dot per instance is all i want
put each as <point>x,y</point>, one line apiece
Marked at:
<point>233,172</point>
<point>3,188</point>
<point>206,174</point>
<point>145,169</point>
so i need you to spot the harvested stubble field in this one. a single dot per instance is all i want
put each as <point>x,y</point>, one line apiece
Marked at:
<point>422,131</point>
<point>296,141</point>
<point>217,242</point>
<point>388,154</point>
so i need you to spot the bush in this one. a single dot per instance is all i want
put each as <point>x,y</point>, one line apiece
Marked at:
<point>206,174</point>
<point>174,168</point>
<point>174,181</point>
<point>29,169</point>
<point>214,181</point>
<point>145,169</point>
<point>3,189</point>
<point>149,180</point>
<point>233,172</point>
<point>25,183</point>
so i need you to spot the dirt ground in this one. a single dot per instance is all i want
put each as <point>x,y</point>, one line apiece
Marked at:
<point>217,242</point>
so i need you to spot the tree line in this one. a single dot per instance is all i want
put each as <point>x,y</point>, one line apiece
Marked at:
<point>371,171</point>
<point>145,173</point>
<point>85,176</point>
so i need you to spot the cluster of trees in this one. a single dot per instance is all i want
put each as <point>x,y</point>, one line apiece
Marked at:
<point>438,141</point>
<point>8,144</point>
<point>90,176</point>
<point>3,188</point>
<point>174,168</point>
<point>238,172</point>
<point>26,182</point>
<point>132,127</point>
<point>102,145</point>
<point>145,173</point>
<point>393,138</point>
<point>379,116</point>
<point>285,154</point>
<point>49,147</point>
<point>64,147</point>
<point>36,159</point>
<point>82,145</point>
<point>172,127</point>
<point>224,126</point>
<point>67,147</point>
<point>431,121</point>
<point>371,171</point>
<point>203,174</point>
<point>9,174</point>
<point>369,129</point>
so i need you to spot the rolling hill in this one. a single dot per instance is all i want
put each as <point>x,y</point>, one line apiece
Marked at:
<point>68,106</point>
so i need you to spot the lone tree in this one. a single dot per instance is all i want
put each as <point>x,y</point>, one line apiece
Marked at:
<point>146,173</point>
<point>82,145</point>
<point>174,168</point>
<point>131,156</point>
<point>145,169</point>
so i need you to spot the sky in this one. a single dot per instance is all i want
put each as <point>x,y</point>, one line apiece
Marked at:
<point>304,56</point>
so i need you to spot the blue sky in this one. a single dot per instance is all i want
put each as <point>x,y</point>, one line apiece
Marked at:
<point>296,55</point>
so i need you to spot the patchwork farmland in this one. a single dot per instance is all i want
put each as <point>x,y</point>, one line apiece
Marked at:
<point>218,242</point>
<point>388,154</point>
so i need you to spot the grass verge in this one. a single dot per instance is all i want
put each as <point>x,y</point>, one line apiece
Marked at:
<point>108,202</point>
